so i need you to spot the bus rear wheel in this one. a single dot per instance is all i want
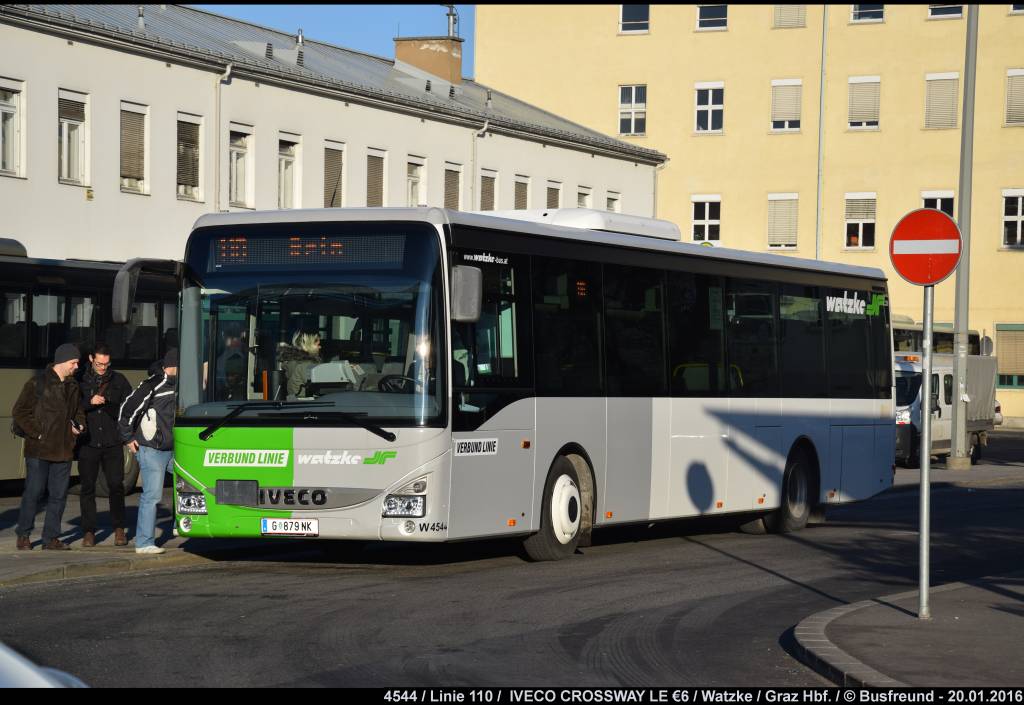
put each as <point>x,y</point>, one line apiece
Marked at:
<point>561,515</point>
<point>795,509</point>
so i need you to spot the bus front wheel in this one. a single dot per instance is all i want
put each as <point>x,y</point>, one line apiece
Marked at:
<point>561,515</point>
<point>795,509</point>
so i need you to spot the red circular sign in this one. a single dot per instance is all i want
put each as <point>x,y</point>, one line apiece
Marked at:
<point>925,246</point>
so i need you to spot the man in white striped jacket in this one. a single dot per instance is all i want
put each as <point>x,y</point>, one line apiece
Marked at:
<point>146,423</point>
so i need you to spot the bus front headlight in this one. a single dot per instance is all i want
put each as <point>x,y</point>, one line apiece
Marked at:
<point>399,505</point>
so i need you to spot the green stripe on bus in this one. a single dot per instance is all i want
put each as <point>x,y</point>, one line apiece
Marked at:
<point>262,454</point>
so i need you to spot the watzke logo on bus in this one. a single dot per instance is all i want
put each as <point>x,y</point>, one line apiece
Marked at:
<point>854,306</point>
<point>345,458</point>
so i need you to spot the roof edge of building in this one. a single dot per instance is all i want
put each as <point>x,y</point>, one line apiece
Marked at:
<point>28,17</point>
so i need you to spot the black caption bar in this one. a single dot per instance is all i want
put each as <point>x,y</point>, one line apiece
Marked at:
<point>606,696</point>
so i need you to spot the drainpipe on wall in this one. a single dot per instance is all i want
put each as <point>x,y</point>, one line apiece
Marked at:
<point>221,78</point>
<point>821,132</point>
<point>473,197</point>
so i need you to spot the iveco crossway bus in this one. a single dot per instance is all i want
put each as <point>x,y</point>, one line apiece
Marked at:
<point>432,375</point>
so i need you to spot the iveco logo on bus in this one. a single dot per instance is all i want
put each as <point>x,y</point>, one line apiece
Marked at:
<point>273,496</point>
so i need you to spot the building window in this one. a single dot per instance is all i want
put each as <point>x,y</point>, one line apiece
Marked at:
<point>488,180</point>
<point>787,16</point>
<point>865,96</point>
<point>583,197</point>
<point>239,194</point>
<point>334,164</point>
<point>1015,97</point>
<point>10,129</point>
<point>1017,9</point>
<point>945,11</point>
<point>634,18</point>
<point>71,135</point>
<point>414,184</point>
<point>188,157</point>
<point>133,147</point>
<point>782,219</point>
<point>860,220</point>
<point>707,218</point>
<point>554,199</point>
<point>612,202</point>
<point>1013,218</point>
<point>522,192</point>
<point>867,13</point>
<point>786,97</point>
<point>375,178</point>
<point>939,200</point>
<point>712,16</point>
<point>287,156</point>
<point>710,107</point>
<point>941,100</point>
<point>632,110</point>
<point>452,186</point>
<point>1010,351</point>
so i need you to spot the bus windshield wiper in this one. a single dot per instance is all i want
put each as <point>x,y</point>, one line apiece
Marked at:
<point>347,416</point>
<point>212,428</point>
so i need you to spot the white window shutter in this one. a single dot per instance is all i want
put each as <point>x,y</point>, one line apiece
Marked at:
<point>790,16</point>
<point>864,101</point>
<point>941,102</point>
<point>1010,351</point>
<point>860,208</point>
<point>782,222</point>
<point>786,102</point>
<point>487,193</point>
<point>1015,100</point>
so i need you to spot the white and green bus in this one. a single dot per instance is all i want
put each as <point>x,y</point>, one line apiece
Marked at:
<point>533,374</point>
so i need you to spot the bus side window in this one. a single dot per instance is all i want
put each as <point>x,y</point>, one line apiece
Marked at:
<point>14,327</point>
<point>947,385</point>
<point>567,323</point>
<point>634,331</point>
<point>696,335</point>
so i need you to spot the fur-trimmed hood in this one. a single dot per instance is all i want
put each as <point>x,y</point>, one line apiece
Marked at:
<point>289,353</point>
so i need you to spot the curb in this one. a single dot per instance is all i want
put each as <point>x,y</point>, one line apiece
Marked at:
<point>816,650</point>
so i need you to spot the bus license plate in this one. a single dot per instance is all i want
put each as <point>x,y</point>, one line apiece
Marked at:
<point>290,527</point>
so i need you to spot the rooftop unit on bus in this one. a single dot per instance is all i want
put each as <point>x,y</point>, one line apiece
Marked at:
<point>590,219</point>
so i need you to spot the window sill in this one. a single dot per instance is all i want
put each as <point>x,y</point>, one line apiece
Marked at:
<point>863,129</point>
<point>66,182</point>
<point>702,133</point>
<point>783,248</point>
<point>241,206</point>
<point>191,200</point>
<point>881,21</point>
<point>632,134</point>
<point>13,175</point>
<point>711,29</point>
<point>796,131</point>
<point>1013,124</point>
<point>945,17</point>
<point>1007,248</point>
<point>858,249</point>
<point>133,192</point>
<point>633,32</point>
<point>932,129</point>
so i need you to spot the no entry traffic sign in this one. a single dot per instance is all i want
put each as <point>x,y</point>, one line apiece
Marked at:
<point>925,247</point>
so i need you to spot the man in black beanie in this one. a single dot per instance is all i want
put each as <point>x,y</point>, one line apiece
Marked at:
<point>48,414</point>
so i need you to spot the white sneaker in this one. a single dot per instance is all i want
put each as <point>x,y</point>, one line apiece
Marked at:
<point>152,550</point>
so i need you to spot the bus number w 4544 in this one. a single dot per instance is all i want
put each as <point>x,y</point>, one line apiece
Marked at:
<point>433,526</point>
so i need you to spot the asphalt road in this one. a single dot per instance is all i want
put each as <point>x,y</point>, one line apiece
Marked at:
<point>678,604</point>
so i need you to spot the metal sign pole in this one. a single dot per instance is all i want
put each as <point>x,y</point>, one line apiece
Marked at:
<point>923,611</point>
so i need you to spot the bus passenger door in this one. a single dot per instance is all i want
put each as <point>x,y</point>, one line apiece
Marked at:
<point>493,409</point>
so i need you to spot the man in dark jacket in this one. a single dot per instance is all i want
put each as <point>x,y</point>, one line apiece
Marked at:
<point>146,423</point>
<point>103,392</point>
<point>51,418</point>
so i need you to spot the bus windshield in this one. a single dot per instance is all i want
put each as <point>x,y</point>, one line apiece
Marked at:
<point>907,386</point>
<point>347,318</point>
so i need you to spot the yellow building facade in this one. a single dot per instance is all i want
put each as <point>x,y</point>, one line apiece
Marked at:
<point>890,94</point>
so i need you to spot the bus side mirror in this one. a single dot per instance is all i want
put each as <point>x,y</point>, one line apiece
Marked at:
<point>127,281</point>
<point>467,293</point>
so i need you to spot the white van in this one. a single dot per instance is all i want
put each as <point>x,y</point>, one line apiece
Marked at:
<point>981,392</point>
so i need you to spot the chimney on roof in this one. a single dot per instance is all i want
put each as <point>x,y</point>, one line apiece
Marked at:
<point>142,20</point>
<point>299,39</point>
<point>439,56</point>
<point>488,98</point>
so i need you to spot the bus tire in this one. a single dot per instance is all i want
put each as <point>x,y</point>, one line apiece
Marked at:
<point>795,510</point>
<point>561,515</point>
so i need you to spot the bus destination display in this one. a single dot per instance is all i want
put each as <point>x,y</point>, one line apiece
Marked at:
<point>243,251</point>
